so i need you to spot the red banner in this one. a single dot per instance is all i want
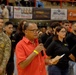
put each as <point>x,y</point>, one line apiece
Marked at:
<point>71,14</point>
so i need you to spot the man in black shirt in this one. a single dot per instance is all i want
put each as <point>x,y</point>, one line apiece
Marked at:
<point>49,40</point>
<point>46,35</point>
<point>71,37</point>
<point>65,24</point>
<point>71,40</point>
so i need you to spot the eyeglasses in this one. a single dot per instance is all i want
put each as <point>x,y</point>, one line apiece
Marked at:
<point>66,25</point>
<point>33,30</point>
<point>63,31</point>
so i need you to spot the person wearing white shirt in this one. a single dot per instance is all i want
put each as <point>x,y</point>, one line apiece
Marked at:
<point>5,13</point>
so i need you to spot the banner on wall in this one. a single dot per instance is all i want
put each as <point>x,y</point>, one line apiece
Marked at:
<point>17,12</point>
<point>23,12</point>
<point>58,14</point>
<point>71,14</point>
<point>10,10</point>
<point>26,12</point>
<point>41,13</point>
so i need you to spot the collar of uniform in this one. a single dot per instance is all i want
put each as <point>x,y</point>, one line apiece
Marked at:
<point>28,41</point>
<point>64,43</point>
<point>59,41</point>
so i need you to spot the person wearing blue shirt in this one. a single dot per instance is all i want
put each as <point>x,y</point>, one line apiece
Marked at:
<point>39,4</point>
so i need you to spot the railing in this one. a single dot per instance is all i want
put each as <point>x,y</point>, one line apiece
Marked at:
<point>61,1</point>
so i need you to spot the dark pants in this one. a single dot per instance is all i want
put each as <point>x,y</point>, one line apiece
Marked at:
<point>54,70</point>
<point>10,68</point>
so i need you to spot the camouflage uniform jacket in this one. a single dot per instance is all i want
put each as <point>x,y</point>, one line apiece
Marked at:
<point>5,49</point>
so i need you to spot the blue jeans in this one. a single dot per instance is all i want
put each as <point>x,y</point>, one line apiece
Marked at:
<point>71,68</point>
<point>54,70</point>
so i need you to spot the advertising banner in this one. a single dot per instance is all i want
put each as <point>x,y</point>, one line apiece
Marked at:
<point>41,13</point>
<point>71,14</point>
<point>26,12</point>
<point>17,12</point>
<point>23,12</point>
<point>58,14</point>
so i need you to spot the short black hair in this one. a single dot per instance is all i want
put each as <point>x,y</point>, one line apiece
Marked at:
<point>73,23</point>
<point>27,24</point>
<point>65,21</point>
<point>8,22</point>
<point>55,24</point>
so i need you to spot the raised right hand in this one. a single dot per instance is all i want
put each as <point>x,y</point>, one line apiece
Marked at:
<point>39,48</point>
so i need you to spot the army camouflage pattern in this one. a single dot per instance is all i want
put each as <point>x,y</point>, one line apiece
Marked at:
<point>5,49</point>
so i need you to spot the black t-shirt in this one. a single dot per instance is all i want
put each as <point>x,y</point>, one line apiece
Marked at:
<point>18,36</point>
<point>71,40</point>
<point>44,37</point>
<point>73,50</point>
<point>11,59</point>
<point>58,48</point>
<point>48,41</point>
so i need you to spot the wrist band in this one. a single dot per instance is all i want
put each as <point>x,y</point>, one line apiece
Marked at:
<point>36,52</point>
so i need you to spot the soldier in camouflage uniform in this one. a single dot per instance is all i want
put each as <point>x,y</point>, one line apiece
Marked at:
<point>9,31</point>
<point>5,48</point>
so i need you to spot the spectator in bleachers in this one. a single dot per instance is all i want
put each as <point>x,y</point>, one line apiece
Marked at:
<point>39,3</point>
<point>11,2</point>
<point>18,3</point>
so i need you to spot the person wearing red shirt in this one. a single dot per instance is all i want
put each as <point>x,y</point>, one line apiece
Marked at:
<point>30,60</point>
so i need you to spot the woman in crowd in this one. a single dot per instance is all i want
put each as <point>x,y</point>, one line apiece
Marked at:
<point>59,47</point>
<point>19,34</point>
